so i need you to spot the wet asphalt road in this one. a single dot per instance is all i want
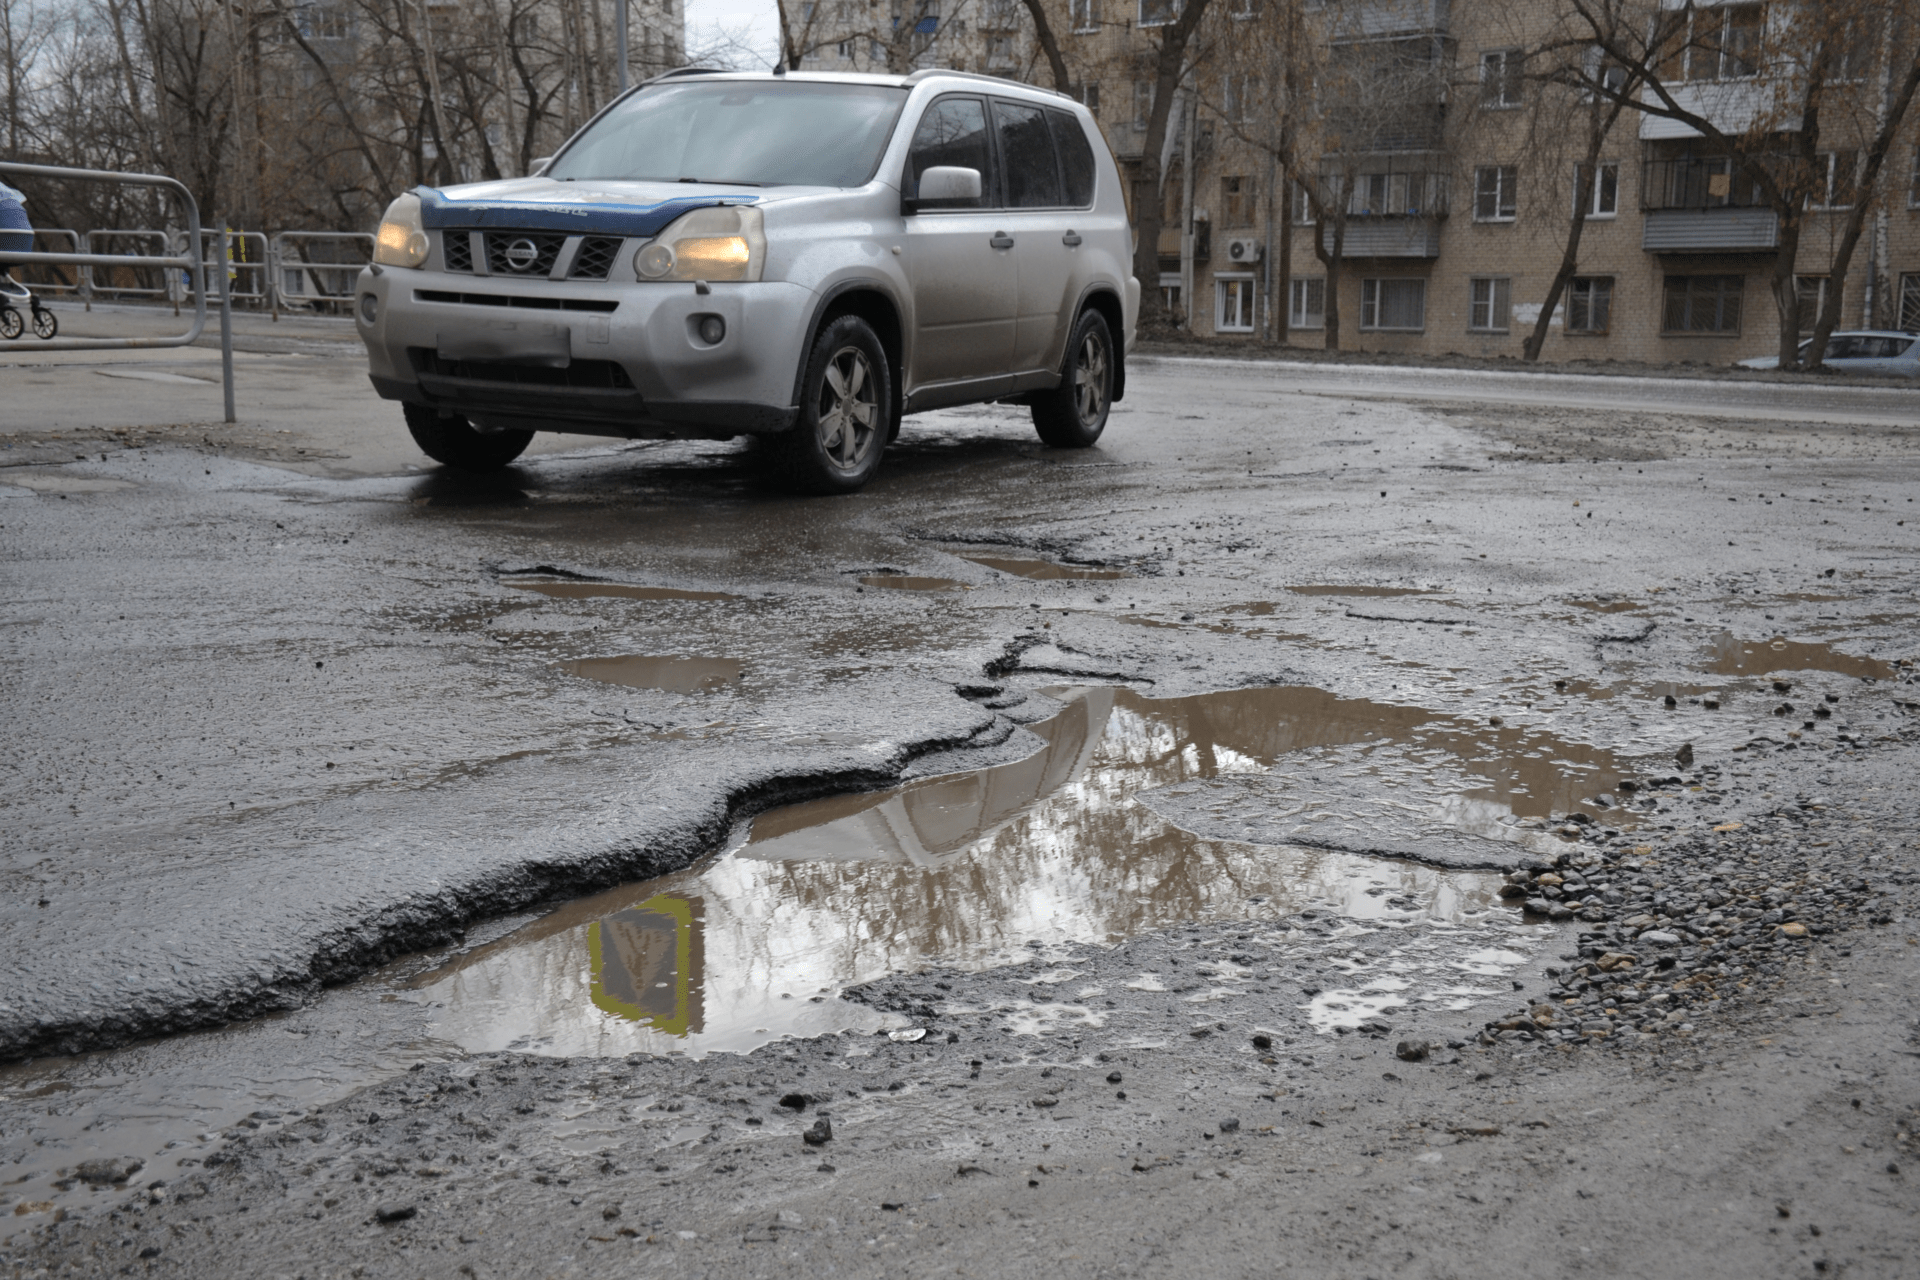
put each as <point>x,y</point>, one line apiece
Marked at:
<point>283,716</point>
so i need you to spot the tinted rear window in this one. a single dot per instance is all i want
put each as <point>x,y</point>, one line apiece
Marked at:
<point>1076,157</point>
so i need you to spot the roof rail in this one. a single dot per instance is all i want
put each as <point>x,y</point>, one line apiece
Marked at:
<point>685,71</point>
<point>928,73</point>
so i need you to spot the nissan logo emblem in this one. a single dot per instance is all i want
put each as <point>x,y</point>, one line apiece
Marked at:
<point>522,254</point>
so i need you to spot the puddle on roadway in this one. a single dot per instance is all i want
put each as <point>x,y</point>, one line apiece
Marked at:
<point>573,590</point>
<point>1331,589</point>
<point>1606,606</point>
<point>908,582</point>
<point>965,869</point>
<point>644,671</point>
<point>1732,656</point>
<point>1046,570</point>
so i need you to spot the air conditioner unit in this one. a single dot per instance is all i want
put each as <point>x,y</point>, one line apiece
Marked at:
<point>1244,249</point>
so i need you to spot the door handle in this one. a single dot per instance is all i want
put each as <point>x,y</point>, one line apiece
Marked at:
<point>1071,239</point>
<point>1001,240</point>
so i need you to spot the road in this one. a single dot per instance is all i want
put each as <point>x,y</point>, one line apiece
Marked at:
<point>315,743</point>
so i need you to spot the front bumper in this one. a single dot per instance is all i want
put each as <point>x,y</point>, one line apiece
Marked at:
<point>603,359</point>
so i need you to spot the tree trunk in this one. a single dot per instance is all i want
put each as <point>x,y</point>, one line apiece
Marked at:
<point>1169,63</point>
<point>1043,30</point>
<point>1597,131</point>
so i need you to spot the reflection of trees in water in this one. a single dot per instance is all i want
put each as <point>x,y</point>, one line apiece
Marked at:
<point>1053,847</point>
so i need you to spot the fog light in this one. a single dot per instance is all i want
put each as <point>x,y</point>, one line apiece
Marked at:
<point>712,330</point>
<point>369,308</point>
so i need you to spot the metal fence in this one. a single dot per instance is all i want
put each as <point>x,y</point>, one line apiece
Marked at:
<point>248,277</point>
<point>128,272</point>
<point>190,264</point>
<point>318,268</point>
<point>53,279</point>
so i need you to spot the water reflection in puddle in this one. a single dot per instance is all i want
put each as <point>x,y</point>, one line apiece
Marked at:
<point>1731,656</point>
<point>908,582</point>
<point>1046,570</point>
<point>574,590</point>
<point>644,671</point>
<point>966,869</point>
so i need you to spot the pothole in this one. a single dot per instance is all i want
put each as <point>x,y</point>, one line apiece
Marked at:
<point>1729,655</point>
<point>562,590</point>
<point>673,674</point>
<point>1046,570</point>
<point>910,582</point>
<point>1336,589</point>
<point>1085,841</point>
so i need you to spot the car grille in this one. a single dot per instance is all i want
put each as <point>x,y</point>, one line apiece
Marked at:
<point>457,248</point>
<point>594,261</point>
<point>502,260</point>
<point>595,375</point>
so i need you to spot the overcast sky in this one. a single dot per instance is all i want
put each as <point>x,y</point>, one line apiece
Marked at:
<point>753,20</point>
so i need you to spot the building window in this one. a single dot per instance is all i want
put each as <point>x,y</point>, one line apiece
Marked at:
<point>1812,292</point>
<point>1604,200</point>
<point>1236,202</point>
<point>1399,305</point>
<point>1089,96</point>
<point>1236,98</point>
<point>1170,292</point>
<point>1721,42</point>
<point>1500,78</point>
<point>1910,302</point>
<point>1233,304</point>
<point>1000,15</point>
<point>1490,304</point>
<point>1835,179</point>
<point>845,50</point>
<point>1302,203</point>
<point>1142,102</point>
<point>1085,15</point>
<point>1702,304</point>
<point>1589,304</point>
<point>1159,13</point>
<point>1308,307</point>
<point>1913,182</point>
<point>1493,192</point>
<point>999,52</point>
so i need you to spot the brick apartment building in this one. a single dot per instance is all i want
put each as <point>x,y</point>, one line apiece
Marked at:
<point>1456,218</point>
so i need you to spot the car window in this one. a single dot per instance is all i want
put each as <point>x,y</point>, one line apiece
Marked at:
<point>1076,157</point>
<point>1841,347</point>
<point>1026,145</point>
<point>732,131</point>
<point>1897,346</point>
<point>954,132</point>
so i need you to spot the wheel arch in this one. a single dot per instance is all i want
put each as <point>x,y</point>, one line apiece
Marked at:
<point>1103,299</point>
<point>873,302</point>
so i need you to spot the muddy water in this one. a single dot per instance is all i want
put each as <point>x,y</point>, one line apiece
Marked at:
<point>572,590</point>
<point>644,671</point>
<point>908,582</point>
<point>967,869</point>
<point>1729,655</point>
<point>1046,570</point>
<point>1334,589</point>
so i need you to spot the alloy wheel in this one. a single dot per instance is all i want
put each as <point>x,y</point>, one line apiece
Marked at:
<point>1090,379</point>
<point>848,410</point>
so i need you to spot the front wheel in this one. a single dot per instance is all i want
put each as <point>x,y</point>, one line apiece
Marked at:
<point>846,404</point>
<point>1073,414</point>
<point>453,442</point>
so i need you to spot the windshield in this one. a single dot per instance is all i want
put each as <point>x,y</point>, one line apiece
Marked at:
<point>740,132</point>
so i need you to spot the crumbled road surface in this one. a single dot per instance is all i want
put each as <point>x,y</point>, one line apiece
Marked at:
<point>1542,904</point>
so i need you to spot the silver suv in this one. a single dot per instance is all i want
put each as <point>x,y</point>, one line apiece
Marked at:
<point>801,257</point>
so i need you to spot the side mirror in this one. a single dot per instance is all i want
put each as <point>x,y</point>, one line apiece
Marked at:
<point>947,184</point>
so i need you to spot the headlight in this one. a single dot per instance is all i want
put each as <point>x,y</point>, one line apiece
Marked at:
<point>724,243</point>
<point>402,241</point>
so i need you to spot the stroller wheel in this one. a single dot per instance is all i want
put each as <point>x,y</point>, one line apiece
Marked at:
<point>11,326</point>
<point>44,325</point>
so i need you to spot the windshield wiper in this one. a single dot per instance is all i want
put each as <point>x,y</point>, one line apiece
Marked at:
<point>723,182</point>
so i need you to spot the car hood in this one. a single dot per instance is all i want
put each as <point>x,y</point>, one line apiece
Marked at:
<point>581,207</point>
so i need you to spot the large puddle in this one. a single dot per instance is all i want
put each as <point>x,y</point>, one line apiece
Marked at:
<point>1045,570</point>
<point>647,671</point>
<point>1069,845</point>
<point>1729,655</point>
<point>570,589</point>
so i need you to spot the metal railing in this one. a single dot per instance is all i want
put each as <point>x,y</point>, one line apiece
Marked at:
<point>124,271</point>
<point>299,278</point>
<point>189,263</point>
<point>1690,183</point>
<point>54,279</point>
<point>249,278</point>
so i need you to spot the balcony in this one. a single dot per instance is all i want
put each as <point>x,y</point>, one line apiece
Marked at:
<point>1704,205</point>
<point>1388,238</point>
<point>1380,19</point>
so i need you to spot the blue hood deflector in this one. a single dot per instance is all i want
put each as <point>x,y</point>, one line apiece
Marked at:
<point>439,211</point>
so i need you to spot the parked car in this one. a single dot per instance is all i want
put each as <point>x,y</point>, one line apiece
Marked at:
<point>806,257</point>
<point>1882,351</point>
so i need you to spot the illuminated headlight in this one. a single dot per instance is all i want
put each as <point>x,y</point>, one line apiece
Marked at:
<point>402,241</point>
<point>725,243</point>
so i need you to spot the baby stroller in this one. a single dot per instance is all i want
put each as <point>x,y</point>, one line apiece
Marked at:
<point>16,234</point>
<point>12,324</point>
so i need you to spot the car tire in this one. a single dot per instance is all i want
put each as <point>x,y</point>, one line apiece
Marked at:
<point>1073,414</point>
<point>453,442</point>
<point>846,407</point>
